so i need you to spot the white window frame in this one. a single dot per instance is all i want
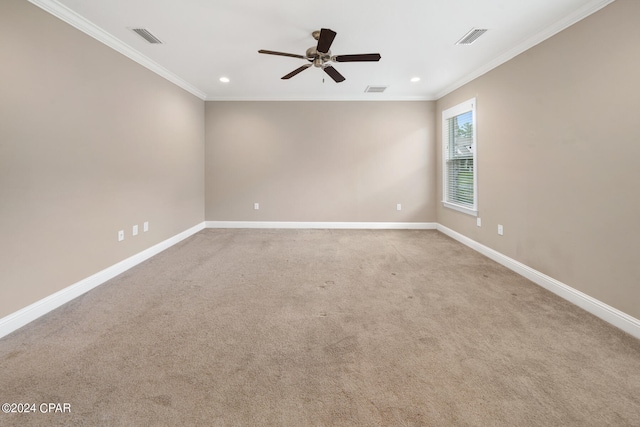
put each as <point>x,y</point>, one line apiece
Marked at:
<point>447,114</point>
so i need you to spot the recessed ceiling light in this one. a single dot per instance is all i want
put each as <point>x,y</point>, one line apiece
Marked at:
<point>415,79</point>
<point>224,79</point>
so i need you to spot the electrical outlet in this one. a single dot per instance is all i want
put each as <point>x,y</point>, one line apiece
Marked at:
<point>500,229</point>
<point>399,207</point>
<point>145,226</point>
<point>256,206</point>
<point>135,230</point>
<point>120,235</point>
<point>478,222</point>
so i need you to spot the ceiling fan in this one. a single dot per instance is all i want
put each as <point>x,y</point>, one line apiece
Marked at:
<point>320,56</point>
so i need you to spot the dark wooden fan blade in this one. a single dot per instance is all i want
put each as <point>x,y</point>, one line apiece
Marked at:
<point>363,57</point>
<point>271,52</point>
<point>335,75</point>
<point>296,71</point>
<point>325,40</point>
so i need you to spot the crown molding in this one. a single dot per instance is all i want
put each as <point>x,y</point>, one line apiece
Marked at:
<point>342,99</point>
<point>65,14</point>
<point>532,41</point>
<point>70,17</point>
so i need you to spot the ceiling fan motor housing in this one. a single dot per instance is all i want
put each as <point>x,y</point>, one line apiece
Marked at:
<point>318,58</point>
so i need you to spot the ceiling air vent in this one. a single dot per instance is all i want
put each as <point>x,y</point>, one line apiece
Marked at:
<point>375,89</point>
<point>472,36</point>
<point>146,34</point>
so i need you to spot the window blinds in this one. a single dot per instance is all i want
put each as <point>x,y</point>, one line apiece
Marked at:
<point>459,156</point>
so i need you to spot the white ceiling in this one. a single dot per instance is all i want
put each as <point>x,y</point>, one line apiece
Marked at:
<point>207,39</point>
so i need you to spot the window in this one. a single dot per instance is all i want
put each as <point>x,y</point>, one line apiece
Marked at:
<point>459,169</point>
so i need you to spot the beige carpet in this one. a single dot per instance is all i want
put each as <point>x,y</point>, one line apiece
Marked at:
<point>321,328</point>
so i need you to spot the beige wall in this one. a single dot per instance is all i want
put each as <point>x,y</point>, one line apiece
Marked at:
<point>90,143</point>
<point>558,150</point>
<point>320,161</point>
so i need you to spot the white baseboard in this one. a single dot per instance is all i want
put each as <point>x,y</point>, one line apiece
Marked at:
<point>30,313</point>
<point>325,225</point>
<point>607,313</point>
<point>621,320</point>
